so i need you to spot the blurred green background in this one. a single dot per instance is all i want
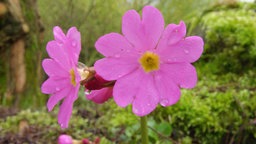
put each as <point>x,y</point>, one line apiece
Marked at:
<point>221,109</point>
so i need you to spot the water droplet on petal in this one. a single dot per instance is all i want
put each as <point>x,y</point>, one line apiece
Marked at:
<point>186,51</point>
<point>158,77</point>
<point>135,110</point>
<point>57,89</point>
<point>73,43</point>
<point>117,55</point>
<point>87,92</point>
<point>172,60</point>
<point>164,102</point>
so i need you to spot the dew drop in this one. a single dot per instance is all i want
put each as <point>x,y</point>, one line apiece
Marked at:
<point>186,51</point>
<point>57,89</point>
<point>87,92</point>
<point>158,77</point>
<point>135,110</point>
<point>117,56</point>
<point>73,43</point>
<point>61,125</point>
<point>164,102</point>
<point>172,60</point>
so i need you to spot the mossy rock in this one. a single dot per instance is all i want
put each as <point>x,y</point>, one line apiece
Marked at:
<point>229,32</point>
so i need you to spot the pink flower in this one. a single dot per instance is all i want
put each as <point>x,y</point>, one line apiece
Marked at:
<point>102,90</point>
<point>61,67</point>
<point>64,139</point>
<point>100,96</point>
<point>149,63</point>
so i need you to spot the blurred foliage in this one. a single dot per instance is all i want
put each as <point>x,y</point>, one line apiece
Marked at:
<point>230,37</point>
<point>221,109</point>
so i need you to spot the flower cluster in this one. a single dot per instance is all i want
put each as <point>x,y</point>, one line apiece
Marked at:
<point>144,66</point>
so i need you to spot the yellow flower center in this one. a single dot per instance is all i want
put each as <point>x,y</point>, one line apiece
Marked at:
<point>149,61</point>
<point>73,77</point>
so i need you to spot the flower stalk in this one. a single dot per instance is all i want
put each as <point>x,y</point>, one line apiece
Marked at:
<point>144,130</point>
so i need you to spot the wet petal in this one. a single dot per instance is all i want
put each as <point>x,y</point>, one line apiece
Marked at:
<point>143,33</point>
<point>146,98</point>
<point>127,87</point>
<point>186,50</point>
<point>66,109</point>
<point>172,34</point>
<point>59,36</point>
<point>112,44</point>
<point>182,74</point>
<point>74,41</point>
<point>100,96</point>
<point>56,97</point>
<point>115,68</point>
<point>52,85</point>
<point>59,54</point>
<point>169,92</point>
<point>153,25</point>
<point>131,24</point>
<point>52,68</point>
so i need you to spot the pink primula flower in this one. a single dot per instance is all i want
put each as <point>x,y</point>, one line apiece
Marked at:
<point>149,63</point>
<point>65,139</point>
<point>61,67</point>
<point>100,91</point>
<point>100,96</point>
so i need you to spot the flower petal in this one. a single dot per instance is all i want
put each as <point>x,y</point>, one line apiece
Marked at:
<point>112,44</point>
<point>187,50</point>
<point>182,74</point>
<point>169,92</point>
<point>100,96</point>
<point>74,41</point>
<point>56,97</point>
<point>52,68</point>
<point>131,24</point>
<point>65,111</point>
<point>127,87</point>
<point>58,34</point>
<point>52,85</point>
<point>59,54</point>
<point>153,23</point>
<point>146,98</point>
<point>114,68</point>
<point>143,34</point>
<point>172,34</point>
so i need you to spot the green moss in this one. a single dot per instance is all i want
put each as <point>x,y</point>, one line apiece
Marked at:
<point>230,38</point>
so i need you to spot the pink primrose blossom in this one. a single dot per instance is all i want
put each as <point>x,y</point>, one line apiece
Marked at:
<point>101,90</point>
<point>149,63</point>
<point>64,79</point>
<point>64,139</point>
<point>100,96</point>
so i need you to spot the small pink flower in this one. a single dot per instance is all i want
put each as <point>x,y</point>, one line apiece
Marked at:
<point>100,96</point>
<point>64,139</point>
<point>61,67</point>
<point>149,63</point>
<point>101,90</point>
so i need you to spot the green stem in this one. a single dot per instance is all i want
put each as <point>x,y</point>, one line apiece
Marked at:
<point>144,130</point>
